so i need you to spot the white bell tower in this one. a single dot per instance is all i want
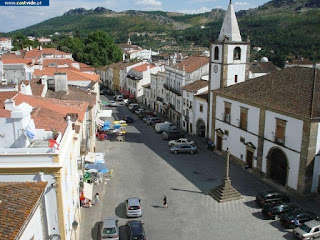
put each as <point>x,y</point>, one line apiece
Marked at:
<point>229,54</point>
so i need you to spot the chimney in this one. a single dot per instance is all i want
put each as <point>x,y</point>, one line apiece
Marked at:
<point>60,82</point>
<point>40,47</point>
<point>30,47</point>
<point>148,67</point>
<point>9,104</point>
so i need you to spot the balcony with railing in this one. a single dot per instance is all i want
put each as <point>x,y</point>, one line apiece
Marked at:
<point>160,99</point>
<point>175,91</point>
<point>172,106</point>
<point>166,86</point>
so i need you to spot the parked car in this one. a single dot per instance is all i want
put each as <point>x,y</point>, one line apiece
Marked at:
<point>164,126</point>
<point>134,108</point>
<point>308,230</point>
<point>150,119</point>
<point>135,230</point>
<point>132,105</point>
<point>146,113</point>
<point>128,118</point>
<point>119,98</point>
<point>110,229</point>
<point>288,220</point>
<point>270,196</point>
<point>139,110</point>
<point>112,104</point>
<point>183,148</point>
<point>172,134</point>
<point>274,210</point>
<point>180,141</point>
<point>154,121</point>
<point>133,207</point>
<point>146,118</point>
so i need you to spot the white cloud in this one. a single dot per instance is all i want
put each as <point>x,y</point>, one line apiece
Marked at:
<point>196,11</point>
<point>149,3</point>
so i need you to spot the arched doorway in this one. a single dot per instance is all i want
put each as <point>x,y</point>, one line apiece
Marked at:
<point>277,166</point>
<point>201,128</point>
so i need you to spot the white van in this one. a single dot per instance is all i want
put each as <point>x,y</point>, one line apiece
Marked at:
<point>133,105</point>
<point>164,126</point>
<point>119,98</point>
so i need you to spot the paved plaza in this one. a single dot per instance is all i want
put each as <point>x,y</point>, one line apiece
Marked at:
<point>144,167</point>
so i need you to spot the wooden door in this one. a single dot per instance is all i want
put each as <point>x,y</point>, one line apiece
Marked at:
<point>249,159</point>
<point>219,143</point>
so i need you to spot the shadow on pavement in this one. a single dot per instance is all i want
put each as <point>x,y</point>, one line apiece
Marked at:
<point>252,204</point>
<point>289,236</point>
<point>123,233</point>
<point>278,225</point>
<point>96,231</point>
<point>156,206</point>
<point>183,190</point>
<point>121,210</point>
<point>259,215</point>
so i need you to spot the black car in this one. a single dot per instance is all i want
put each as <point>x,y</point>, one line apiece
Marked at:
<point>128,118</point>
<point>108,92</point>
<point>270,196</point>
<point>134,108</point>
<point>172,135</point>
<point>274,210</point>
<point>289,219</point>
<point>135,230</point>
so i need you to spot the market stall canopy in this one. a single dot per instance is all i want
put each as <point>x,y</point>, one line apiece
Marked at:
<point>98,166</point>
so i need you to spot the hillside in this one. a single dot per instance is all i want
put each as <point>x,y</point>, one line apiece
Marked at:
<point>282,27</point>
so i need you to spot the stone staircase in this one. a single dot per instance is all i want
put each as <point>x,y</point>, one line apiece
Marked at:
<point>225,192</point>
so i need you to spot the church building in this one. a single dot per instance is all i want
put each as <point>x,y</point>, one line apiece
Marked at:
<point>270,124</point>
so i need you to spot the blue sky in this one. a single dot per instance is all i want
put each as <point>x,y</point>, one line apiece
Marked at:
<point>12,18</point>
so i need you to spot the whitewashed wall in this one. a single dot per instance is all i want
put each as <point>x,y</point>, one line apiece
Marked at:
<point>294,130</point>
<point>200,115</point>
<point>34,230</point>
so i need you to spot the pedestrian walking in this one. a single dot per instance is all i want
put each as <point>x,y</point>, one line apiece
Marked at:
<point>96,199</point>
<point>165,204</point>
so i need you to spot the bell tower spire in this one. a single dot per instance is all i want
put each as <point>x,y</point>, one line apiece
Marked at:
<point>230,29</point>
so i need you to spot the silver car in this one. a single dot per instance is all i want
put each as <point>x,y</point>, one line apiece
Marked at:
<point>308,230</point>
<point>110,229</point>
<point>133,207</point>
<point>180,141</point>
<point>183,148</point>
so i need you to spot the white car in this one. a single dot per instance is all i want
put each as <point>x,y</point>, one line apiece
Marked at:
<point>180,141</point>
<point>112,104</point>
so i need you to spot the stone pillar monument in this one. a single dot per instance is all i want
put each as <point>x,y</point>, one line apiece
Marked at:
<point>225,192</point>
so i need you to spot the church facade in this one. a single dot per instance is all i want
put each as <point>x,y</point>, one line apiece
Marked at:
<point>270,124</point>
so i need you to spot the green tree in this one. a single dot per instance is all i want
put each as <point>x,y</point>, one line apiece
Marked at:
<point>100,50</point>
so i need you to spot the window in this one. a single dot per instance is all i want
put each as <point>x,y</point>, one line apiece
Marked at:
<point>190,104</point>
<point>237,53</point>
<point>184,102</point>
<point>227,111</point>
<point>235,78</point>
<point>184,124</point>
<point>216,53</point>
<point>280,131</point>
<point>242,139</point>
<point>201,107</point>
<point>243,118</point>
<point>226,132</point>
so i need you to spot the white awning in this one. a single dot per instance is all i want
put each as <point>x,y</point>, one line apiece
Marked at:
<point>90,157</point>
<point>87,190</point>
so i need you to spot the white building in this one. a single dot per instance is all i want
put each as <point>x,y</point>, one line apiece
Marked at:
<point>42,143</point>
<point>139,76</point>
<point>270,123</point>
<point>195,109</point>
<point>6,43</point>
<point>177,76</point>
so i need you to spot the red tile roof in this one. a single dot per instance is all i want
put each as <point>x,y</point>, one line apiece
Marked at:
<point>192,63</point>
<point>196,85</point>
<point>44,119</point>
<point>5,113</point>
<point>143,67</point>
<point>12,55</point>
<point>36,87</point>
<point>18,201</point>
<point>27,61</point>
<point>55,105</point>
<point>36,53</point>
<point>72,75</point>
<point>6,95</point>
